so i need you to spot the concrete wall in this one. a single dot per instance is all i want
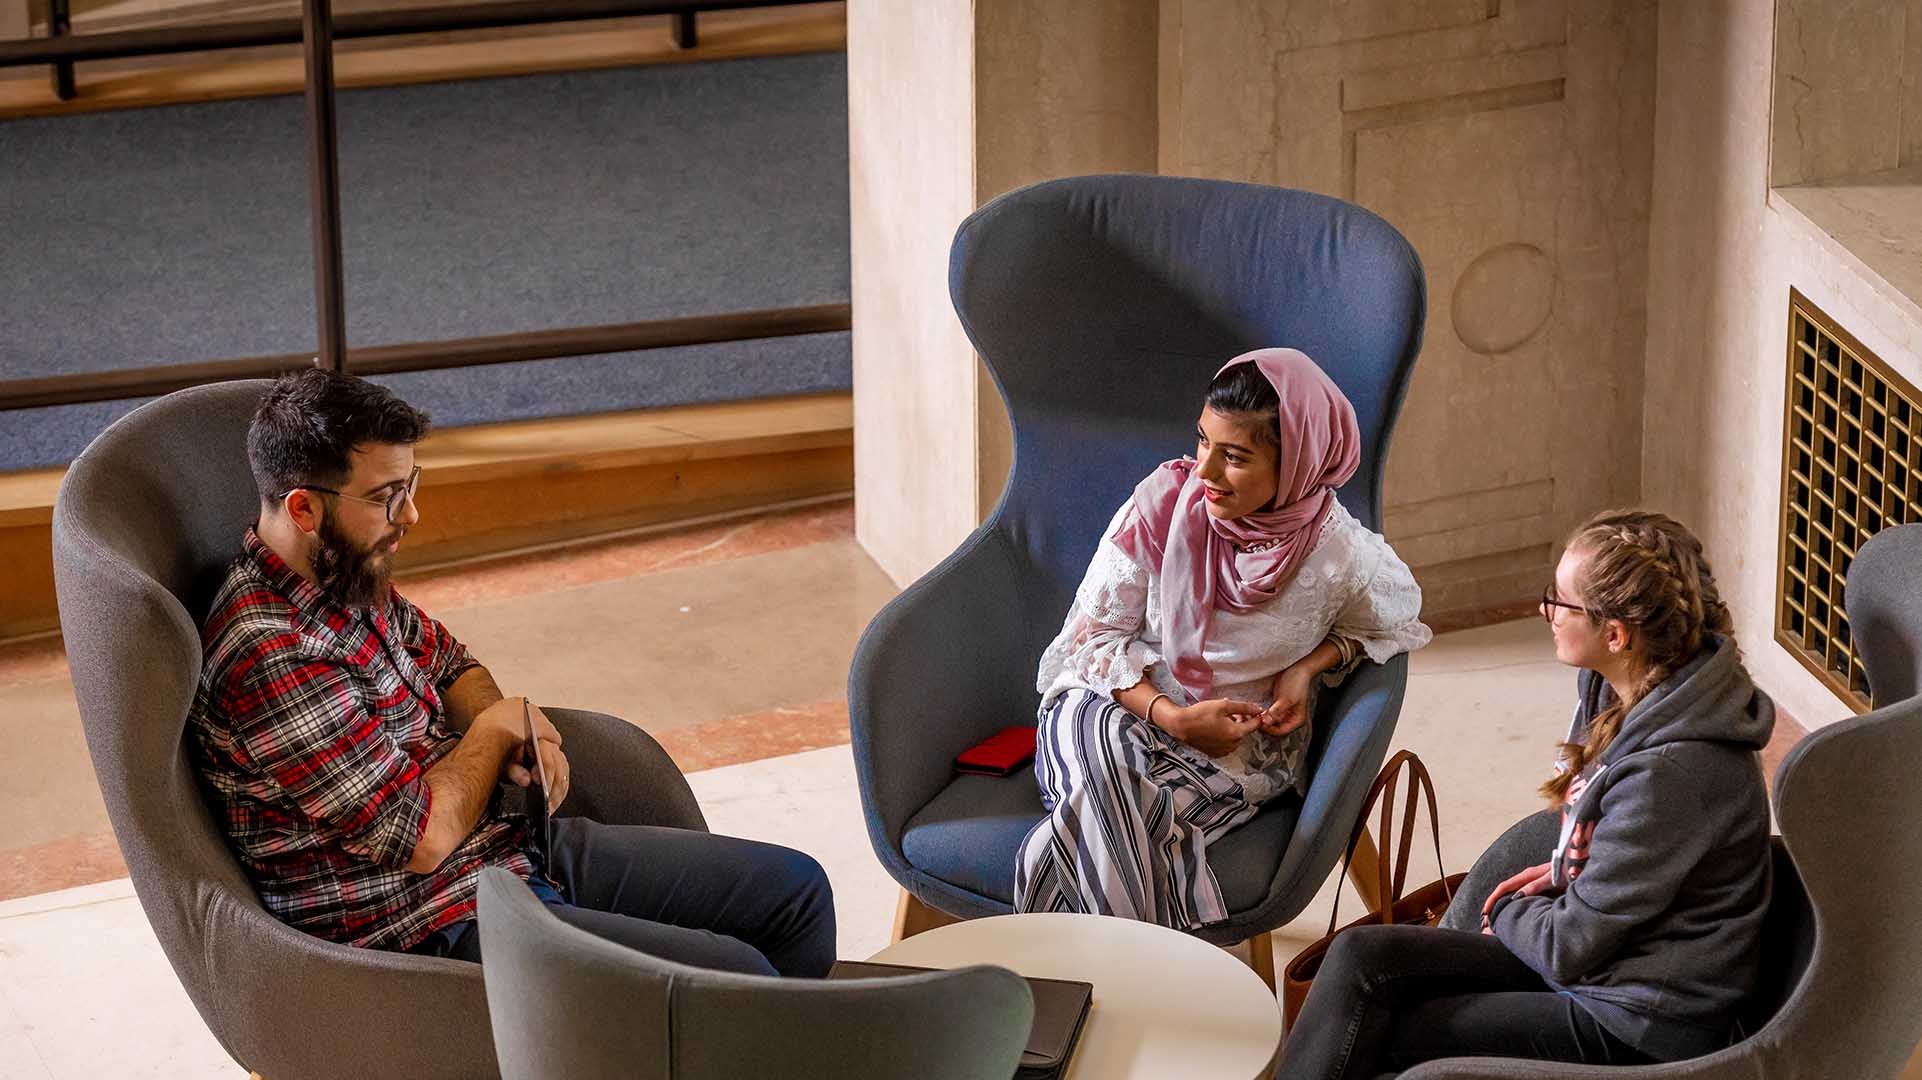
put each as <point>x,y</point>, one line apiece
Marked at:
<point>1510,142</point>
<point>1847,91</point>
<point>1724,253</point>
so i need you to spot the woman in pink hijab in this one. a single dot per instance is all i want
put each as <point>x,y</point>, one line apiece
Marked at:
<point>1177,698</point>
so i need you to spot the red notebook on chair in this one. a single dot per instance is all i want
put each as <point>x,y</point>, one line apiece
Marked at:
<point>1000,754</point>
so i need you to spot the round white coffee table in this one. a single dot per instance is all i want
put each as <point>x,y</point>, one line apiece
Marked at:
<point>1165,1004</point>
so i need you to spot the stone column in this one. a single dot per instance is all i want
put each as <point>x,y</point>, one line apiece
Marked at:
<point>949,104</point>
<point>911,166</point>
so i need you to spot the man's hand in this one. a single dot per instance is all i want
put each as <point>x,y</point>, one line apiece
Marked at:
<point>460,784</point>
<point>1293,688</point>
<point>559,774</point>
<point>517,769</point>
<point>1217,726</point>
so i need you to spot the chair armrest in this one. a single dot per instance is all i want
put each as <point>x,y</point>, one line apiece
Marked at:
<point>1359,718</point>
<point>941,667</point>
<point>1478,1068</point>
<point>285,1003</point>
<point>621,775</point>
<point>1526,843</point>
<point>1734,1063</point>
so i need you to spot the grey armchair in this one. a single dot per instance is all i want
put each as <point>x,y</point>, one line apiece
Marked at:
<point>1841,992</point>
<point>1526,843</point>
<point>145,524</point>
<point>1102,305</point>
<point>1885,612</point>
<point>566,1003</point>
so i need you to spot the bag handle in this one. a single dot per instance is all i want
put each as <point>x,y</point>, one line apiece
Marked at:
<point>1383,791</point>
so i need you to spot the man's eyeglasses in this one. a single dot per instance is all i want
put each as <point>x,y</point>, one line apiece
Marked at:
<point>1549,604</point>
<point>394,502</point>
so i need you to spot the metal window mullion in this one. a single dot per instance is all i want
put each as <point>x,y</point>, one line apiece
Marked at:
<point>323,170</point>
<point>60,24</point>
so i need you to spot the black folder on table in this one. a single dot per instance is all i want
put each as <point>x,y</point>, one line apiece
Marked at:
<point>1060,1010</point>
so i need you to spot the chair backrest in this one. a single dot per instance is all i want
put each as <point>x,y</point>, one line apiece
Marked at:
<point>1102,305</point>
<point>1788,941</point>
<point>566,1003</point>
<point>1885,611</point>
<point>146,521</point>
<point>1845,800</point>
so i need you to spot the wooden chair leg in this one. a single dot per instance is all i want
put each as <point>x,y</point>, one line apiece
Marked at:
<point>1361,872</point>
<point>1261,957</point>
<point>912,917</point>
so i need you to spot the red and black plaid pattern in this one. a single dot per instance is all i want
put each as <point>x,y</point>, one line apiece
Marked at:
<point>315,726</point>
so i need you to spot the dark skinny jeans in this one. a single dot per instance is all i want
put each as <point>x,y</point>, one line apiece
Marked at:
<point>711,901</point>
<point>1388,998</point>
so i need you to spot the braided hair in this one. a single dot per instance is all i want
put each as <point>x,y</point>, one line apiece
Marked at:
<point>1646,570</point>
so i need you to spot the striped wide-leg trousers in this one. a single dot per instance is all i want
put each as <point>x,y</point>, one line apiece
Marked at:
<point>1130,818</point>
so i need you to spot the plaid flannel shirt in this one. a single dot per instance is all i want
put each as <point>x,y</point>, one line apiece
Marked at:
<point>314,727</point>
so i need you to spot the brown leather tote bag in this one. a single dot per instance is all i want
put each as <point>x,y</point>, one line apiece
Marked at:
<point>1422,907</point>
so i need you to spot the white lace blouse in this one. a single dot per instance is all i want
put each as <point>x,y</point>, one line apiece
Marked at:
<point>1352,583</point>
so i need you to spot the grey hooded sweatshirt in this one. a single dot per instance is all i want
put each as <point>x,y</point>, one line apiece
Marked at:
<point>1663,861</point>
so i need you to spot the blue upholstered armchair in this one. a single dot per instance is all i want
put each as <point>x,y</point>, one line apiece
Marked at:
<point>1102,306</point>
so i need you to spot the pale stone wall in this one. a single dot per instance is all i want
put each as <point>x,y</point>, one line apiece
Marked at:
<point>1847,95</point>
<point>911,166</point>
<point>1509,139</point>
<point>1723,256</point>
<point>1510,142</point>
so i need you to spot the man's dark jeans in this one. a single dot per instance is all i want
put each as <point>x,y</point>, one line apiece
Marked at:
<point>711,901</point>
<point>1388,998</point>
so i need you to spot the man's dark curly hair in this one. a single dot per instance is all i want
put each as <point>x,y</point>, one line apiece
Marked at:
<point>309,422</point>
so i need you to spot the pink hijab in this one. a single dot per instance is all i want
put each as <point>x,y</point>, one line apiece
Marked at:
<point>1207,565</point>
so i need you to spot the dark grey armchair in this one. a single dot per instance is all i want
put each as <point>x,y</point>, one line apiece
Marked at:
<point>1885,612</point>
<point>566,1003</point>
<point>145,524</point>
<point>1102,305</point>
<point>1841,991</point>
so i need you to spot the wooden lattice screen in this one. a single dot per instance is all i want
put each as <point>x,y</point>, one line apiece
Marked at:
<point>1851,464</point>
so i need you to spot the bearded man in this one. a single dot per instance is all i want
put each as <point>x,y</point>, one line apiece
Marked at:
<point>353,748</point>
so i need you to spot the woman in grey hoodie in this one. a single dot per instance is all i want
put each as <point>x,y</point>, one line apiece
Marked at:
<point>1636,941</point>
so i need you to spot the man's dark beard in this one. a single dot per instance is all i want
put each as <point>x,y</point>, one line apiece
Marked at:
<point>353,577</point>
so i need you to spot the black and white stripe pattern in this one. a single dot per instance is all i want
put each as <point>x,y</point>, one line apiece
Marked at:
<point>1131,815</point>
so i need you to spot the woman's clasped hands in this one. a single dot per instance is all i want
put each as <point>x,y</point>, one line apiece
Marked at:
<point>1534,881</point>
<point>1294,695</point>
<point>1216,726</point>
